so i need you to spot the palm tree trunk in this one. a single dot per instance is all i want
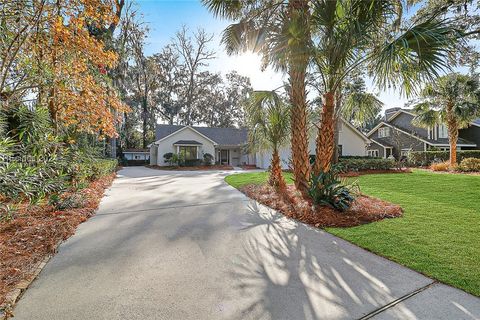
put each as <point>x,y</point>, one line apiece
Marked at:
<point>276,179</point>
<point>326,136</point>
<point>452,126</point>
<point>298,98</point>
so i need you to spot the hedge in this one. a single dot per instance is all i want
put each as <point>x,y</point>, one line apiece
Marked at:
<point>361,164</point>
<point>469,165</point>
<point>425,158</point>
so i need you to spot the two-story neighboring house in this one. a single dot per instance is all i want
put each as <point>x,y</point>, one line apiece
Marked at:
<point>396,135</point>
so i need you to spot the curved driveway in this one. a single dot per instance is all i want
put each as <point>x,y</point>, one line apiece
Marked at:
<point>185,245</point>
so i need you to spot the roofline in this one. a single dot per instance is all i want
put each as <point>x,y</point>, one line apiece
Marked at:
<point>398,112</point>
<point>381,144</point>
<point>358,132</point>
<point>418,138</point>
<point>405,132</point>
<point>183,128</point>
<point>475,124</point>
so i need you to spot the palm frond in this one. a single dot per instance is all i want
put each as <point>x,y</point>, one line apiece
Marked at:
<point>426,115</point>
<point>268,120</point>
<point>418,55</point>
<point>361,107</point>
<point>229,9</point>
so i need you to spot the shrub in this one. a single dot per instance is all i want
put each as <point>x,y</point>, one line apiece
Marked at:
<point>469,165</point>
<point>328,189</point>
<point>168,157</point>
<point>358,157</point>
<point>360,164</point>
<point>207,159</point>
<point>425,158</point>
<point>192,162</point>
<point>440,166</point>
<point>103,167</point>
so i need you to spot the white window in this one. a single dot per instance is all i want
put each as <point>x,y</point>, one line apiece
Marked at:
<point>405,152</point>
<point>442,131</point>
<point>372,153</point>
<point>384,132</point>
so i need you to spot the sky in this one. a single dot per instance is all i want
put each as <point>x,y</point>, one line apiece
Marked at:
<point>165,17</point>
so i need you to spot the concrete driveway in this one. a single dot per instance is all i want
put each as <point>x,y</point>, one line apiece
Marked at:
<point>185,245</point>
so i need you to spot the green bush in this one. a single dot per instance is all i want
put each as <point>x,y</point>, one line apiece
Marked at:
<point>328,189</point>
<point>469,165</point>
<point>426,158</point>
<point>103,167</point>
<point>360,164</point>
<point>358,157</point>
<point>192,162</point>
<point>207,159</point>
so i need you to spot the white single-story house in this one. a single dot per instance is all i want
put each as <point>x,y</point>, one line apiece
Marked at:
<point>227,145</point>
<point>351,142</point>
<point>136,154</point>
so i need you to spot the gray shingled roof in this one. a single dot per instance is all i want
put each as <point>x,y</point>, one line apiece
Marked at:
<point>190,142</point>
<point>222,136</point>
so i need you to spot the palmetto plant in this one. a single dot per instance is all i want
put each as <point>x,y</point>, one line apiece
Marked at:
<point>453,100</point>
<point>269,127</point>
<point>279,30</point>
<point>369,34</point>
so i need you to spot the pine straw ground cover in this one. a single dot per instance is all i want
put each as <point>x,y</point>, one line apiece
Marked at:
<point>35,232</point>
<point>363,210</point>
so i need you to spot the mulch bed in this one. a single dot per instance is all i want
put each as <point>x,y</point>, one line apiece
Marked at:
<point>192,168</point>
<point>35,232</point>
<point>365,209</point>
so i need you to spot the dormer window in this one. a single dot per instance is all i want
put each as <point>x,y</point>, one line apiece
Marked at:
<point>384,132</point>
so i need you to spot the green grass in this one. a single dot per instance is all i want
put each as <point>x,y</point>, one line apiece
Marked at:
<point>439,234</point>
<point>241,179</point>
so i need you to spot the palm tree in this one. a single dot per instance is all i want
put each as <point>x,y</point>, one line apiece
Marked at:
<point>452,100</point>
<point>280,31</point>
<point>356,34</point>
<point>269,126</point>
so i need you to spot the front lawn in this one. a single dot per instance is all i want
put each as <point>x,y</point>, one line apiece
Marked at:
<point>439,234</point>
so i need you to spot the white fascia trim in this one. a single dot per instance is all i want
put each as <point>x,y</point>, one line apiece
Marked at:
<point>358,132</point>
<point>189,127</point>
<point>376,128</point>
<point>405,132</point>
<point>475,124</point>
<point>448,145</point>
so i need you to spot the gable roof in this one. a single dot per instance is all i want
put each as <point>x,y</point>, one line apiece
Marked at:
<point>220,136</point>
<point>439,142</point>
<point>355,130</point>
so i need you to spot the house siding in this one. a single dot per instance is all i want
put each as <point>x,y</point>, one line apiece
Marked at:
<point>352,145</point>
<point>471,133</point>
<point>404,121</point>
<point>166,146</point>
<point>376,146</point>
<point>399,140</point>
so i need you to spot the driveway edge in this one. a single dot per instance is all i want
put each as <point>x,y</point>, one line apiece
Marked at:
<point>6,309</point>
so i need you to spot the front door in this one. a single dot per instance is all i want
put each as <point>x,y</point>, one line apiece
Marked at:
<point>225,156</point>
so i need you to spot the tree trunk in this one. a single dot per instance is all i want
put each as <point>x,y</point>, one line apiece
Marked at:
<point>145,123</point>
<point>298,98</point>
<point>276,179</point>
<point>326,136</point>
<point>452,126</point>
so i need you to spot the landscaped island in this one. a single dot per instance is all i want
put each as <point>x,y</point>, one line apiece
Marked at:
<point>439,232</point>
